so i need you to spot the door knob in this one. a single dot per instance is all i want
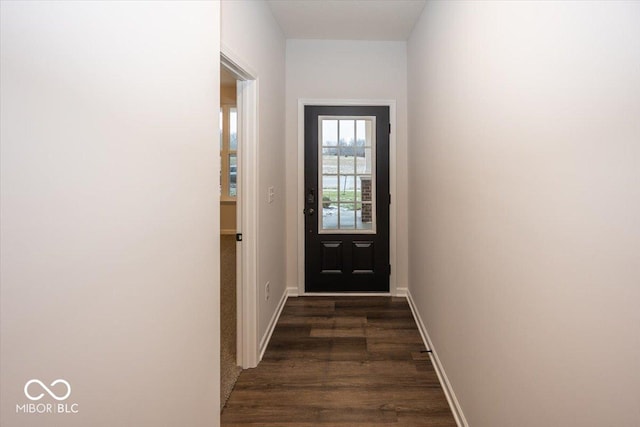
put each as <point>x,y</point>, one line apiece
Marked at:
<point>311,211</point>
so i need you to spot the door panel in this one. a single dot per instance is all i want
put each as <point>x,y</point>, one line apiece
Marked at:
<point>363,257</point>
<point>346,199</point>
<point>331,257</point>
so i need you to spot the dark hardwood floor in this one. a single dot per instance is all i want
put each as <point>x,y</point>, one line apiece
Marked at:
<point>341,361</point>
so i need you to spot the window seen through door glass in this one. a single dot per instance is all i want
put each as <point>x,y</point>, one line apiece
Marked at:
<point>228,151</point>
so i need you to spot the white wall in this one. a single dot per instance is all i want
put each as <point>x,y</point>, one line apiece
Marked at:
<point>525,240</point>
<point>341,69</point>
<point>109,246</point>
<point>250,33</point>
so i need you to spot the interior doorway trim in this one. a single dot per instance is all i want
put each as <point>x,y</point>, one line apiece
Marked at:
<point>247,209</point>
<point>392,183</point>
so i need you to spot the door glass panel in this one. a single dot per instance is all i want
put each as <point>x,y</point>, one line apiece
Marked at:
<point>361,132</point>
<point>329,161</point>
<point>347,216</point>
<point>346,187</point>
<point>329,133</point>
<point>347,161</point>
<point>364,162</point>
<point>364,216</point>
<point>346,167</point>
<point>347,133</point>
<point>358,197</point>
<point>330,219</point>
<point>329,189</point>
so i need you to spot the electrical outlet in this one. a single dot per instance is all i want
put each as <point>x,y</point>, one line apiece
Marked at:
<point>270,194</point>
<point>267,290</point>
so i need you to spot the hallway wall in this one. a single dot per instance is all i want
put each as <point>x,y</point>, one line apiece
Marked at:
<point>525,238</point>
<point>250,33</point>
<point>109,207</point>
<point>343,69</point>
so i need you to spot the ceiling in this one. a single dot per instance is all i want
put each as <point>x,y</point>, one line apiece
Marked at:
<point>347,19</point>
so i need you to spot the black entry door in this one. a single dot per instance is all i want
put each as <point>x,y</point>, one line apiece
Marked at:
<point>347,198</point>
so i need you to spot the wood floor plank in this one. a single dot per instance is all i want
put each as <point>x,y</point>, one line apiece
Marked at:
<point>341,361</point>
<point>338,332</point>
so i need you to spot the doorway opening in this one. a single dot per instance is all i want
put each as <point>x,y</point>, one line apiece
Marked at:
<point>238,222</point>
<point>229,367</point>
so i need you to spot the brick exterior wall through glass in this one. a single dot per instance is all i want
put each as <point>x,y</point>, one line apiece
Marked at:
<point>366,197</point>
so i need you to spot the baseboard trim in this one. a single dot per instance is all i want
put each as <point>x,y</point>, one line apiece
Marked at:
<point>401,291</point>
<point>295,292</point>
<point>264,342</point>
<point>346,294</point>
<point>461,421</point>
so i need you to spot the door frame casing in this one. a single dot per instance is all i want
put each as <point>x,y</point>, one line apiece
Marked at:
<point>392,186</point>
<point>247,347</point>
